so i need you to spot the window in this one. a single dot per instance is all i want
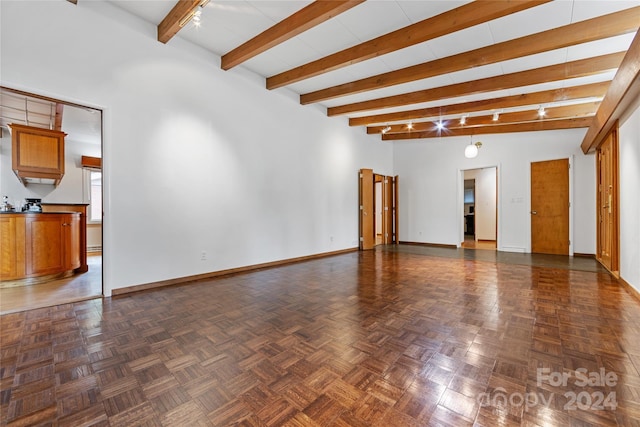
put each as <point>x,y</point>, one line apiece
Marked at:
<point>93,182</point>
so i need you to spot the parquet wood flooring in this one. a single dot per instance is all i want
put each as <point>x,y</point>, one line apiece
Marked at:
<point>378,338</point>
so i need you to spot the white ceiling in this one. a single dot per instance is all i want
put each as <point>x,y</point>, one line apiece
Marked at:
<point>228,24</point>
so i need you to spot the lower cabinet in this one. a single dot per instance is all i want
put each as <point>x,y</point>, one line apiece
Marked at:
<point>39,244</point>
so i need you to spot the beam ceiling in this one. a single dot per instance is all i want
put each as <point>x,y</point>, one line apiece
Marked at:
<point>582,32</point>
<point>568,70</point>
<point>316,13</point>
<point>594,90</point>
<point>623,92</point>
<point>456,19</point>
<point>505,56</point>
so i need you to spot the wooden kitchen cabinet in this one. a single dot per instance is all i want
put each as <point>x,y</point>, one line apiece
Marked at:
<point>39,244</point>
<point>37,154</point>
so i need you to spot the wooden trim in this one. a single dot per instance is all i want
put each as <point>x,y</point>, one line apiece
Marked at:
<point>623,92</point>
<point>308,17</point>
<point>231,271</point>
<point>170,25</point>
<point>431,245</point>
<point>58,120</point>
<point>457,19</point>
<point>601,27</point>
<point>581,255</point>
<point>551,73</point>
<point>496,129</point>
<point>630,289</point>
<point>534,98</point>
<point>91,162</point>
<point>564,112</point>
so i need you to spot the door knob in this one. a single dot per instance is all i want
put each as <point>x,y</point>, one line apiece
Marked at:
<point>534,212</point>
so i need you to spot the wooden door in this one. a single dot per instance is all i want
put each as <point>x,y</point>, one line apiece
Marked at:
<point>366,192</point>
<point>550,207</point>
<point>387,213</point>
<point>607,246</point>
<point>395,235</point>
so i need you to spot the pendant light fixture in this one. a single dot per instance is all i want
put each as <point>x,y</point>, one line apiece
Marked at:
<point>471,150</point>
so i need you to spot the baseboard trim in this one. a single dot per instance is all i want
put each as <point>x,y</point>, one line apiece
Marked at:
<point>581,255</point>
<point>228,272</point>
<point>432,245</point>
<point>633,291</point>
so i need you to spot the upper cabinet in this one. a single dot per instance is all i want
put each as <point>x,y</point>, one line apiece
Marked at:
<point>37,154</point>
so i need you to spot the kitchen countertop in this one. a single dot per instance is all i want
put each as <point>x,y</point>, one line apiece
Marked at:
<point>43,213</point>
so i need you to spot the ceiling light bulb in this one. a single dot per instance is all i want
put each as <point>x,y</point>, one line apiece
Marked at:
<point>541,111</point>
<point>439,125</point>
<point>410,125</point>
<point>463,120</point>
<point>386,129</point>
<point>496,116</point>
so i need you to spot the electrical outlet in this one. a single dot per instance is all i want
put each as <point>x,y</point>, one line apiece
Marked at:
<point>203,256</point>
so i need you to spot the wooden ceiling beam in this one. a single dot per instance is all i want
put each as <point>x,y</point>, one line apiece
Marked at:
<point>580,122</point>
<point>58,117</point>
<point>457,19</point>
<point>623,93</point>
<point>170,25</point>
<point>534,98</point>
<point>308,17</point>
<point>611,25</point>
<point>552,113</point>
<point>568,70</point>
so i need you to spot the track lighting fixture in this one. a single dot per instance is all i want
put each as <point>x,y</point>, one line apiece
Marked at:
<point>463,120</point>
<point>386,129</point>
<point>410,126</point>
<point>496,116</point>
<point>195,15</point>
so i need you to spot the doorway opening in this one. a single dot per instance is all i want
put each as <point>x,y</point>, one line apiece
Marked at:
<point>378,203</point>
<point>78,191</point>
<point>480,208</point>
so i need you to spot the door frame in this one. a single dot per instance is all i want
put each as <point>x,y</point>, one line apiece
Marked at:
<point>389,209</point>
<point>571,201</point>
<point>460,203</point>
<point>105,117</point>
<point>615,235</point>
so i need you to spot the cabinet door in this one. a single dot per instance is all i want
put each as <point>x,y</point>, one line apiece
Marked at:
<point>11,247</point>
<point>71,227</point>
<point>45,241</point>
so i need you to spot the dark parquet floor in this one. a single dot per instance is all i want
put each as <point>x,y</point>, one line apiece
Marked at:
<point>380,338</point>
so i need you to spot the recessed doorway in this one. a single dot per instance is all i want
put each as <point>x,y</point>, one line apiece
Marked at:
<point>480,208</point>
<point>79,188</point>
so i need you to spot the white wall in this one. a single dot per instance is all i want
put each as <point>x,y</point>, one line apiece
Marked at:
<point>485,202</point>
<point>629,138</point>
<point>431,188</point>
<point>195,159</point>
